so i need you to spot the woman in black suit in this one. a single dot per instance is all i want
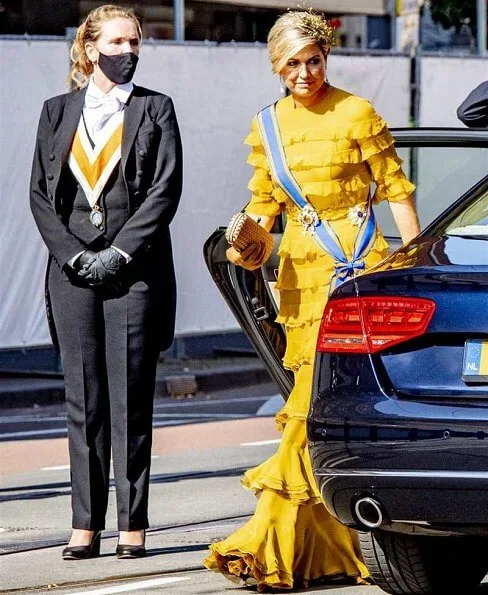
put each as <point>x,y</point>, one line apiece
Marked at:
<point>105,185</point>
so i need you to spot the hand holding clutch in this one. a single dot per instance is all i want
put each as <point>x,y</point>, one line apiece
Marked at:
<point>251,258</point>
<point>251,244</point>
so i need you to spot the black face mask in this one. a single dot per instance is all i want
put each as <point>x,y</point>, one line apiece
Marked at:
<point>119,68</point>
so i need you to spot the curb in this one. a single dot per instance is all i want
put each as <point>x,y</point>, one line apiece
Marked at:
<point>30,392</point>
<point>212,379</point>
<point>22,391</point>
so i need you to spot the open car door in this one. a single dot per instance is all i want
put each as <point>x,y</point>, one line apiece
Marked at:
<point>253,300</point>
<point>444,163</point>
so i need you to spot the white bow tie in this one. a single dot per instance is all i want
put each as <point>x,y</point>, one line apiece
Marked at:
<point>105,101</point>
<point>106,107</point>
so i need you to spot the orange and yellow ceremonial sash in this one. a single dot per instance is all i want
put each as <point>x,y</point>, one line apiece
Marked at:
<point>92,166</point>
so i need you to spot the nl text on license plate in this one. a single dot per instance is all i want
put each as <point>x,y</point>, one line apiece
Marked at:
<point>475,364</point>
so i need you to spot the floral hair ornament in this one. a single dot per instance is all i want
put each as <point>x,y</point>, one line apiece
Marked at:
<point>313,24</point>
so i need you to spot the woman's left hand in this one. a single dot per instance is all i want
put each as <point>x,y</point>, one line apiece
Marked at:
<point>250,258</point>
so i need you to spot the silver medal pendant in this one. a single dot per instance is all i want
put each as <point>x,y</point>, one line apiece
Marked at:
<point>96,218</point>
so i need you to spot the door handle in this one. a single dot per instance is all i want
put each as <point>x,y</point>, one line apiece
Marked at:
<point>260,312</point>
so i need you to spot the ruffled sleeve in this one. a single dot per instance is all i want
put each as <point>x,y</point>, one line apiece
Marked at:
<point>263,190</point>
<point>378,151</point>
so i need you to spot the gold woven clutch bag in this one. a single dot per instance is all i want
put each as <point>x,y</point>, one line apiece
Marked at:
<point>243,231</point>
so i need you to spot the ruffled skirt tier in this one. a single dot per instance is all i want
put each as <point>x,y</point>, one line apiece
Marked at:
<point>291,540</point>
<point>286,546</point>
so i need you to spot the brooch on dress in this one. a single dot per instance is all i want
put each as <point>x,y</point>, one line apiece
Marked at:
<point>356,215</point>
<point>309,219</point>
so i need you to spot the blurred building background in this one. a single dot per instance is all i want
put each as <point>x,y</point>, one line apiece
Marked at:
<point>360,23</point>
<point>414,59</point>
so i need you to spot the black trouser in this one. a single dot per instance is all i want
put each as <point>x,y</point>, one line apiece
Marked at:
<point>109,348</point>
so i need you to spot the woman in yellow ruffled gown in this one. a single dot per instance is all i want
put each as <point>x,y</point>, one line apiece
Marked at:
<point>336,146</point>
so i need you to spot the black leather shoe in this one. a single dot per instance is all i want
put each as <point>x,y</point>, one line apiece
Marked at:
<point>83,552</point>
<point>126,551</point>
<point>130,551</point>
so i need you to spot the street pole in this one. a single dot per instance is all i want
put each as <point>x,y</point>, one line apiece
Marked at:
<point>393,31</point>
<point>179,20</point>
<point>481,26</point>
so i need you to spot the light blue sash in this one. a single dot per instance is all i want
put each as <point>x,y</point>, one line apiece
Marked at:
<point>320,230</point>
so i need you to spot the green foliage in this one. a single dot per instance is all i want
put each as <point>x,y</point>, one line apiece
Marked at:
<point>454,12</point>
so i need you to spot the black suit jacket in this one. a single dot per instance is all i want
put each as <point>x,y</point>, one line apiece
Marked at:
<point>473,111</point>
<point>151,164</point>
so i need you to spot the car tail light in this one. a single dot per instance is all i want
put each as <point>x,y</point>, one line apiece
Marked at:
<point>371,324</point>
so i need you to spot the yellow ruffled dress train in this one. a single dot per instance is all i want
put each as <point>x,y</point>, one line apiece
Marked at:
<point>335,151</point>
<point>291,540</point>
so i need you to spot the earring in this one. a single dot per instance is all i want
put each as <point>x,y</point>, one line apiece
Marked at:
<point>282,86</point>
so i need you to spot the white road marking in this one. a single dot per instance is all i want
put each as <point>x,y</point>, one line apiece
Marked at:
<point>37,433</point>
<point>11,419</point>
<point>192,402</point>
<point>175,422</point>
<point>17,419</point>
<point>157,582</point>
<point>172,418</point>
<point>178,420</point>
<point>271,406</point>
<point>202,415</point>
<point>261,443</point>
<point>20,419</point>
<point>58,468</point>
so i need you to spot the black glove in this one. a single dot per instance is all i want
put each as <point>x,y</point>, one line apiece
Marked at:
<point>86,258</point>
<point>104,268</point>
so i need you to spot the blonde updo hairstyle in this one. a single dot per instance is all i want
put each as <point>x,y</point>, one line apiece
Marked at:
<point>89,30</point>
<point>294,31</point>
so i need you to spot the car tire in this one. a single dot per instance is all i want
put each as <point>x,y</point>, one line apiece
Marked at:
<point>405,564</point>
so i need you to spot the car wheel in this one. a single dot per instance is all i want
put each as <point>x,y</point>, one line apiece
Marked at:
<point>407,564</point>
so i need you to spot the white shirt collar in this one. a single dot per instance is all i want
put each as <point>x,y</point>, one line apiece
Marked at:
<point>121,92</point>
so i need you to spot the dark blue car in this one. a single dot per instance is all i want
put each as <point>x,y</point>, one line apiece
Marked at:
<point>398,430</point>
<point>398,426</point>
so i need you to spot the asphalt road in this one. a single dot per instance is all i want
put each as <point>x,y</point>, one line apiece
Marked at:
<point>201,448</point>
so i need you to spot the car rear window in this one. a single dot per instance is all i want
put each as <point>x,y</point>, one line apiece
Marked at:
<point>442,175</point>
<point>472,222</point>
